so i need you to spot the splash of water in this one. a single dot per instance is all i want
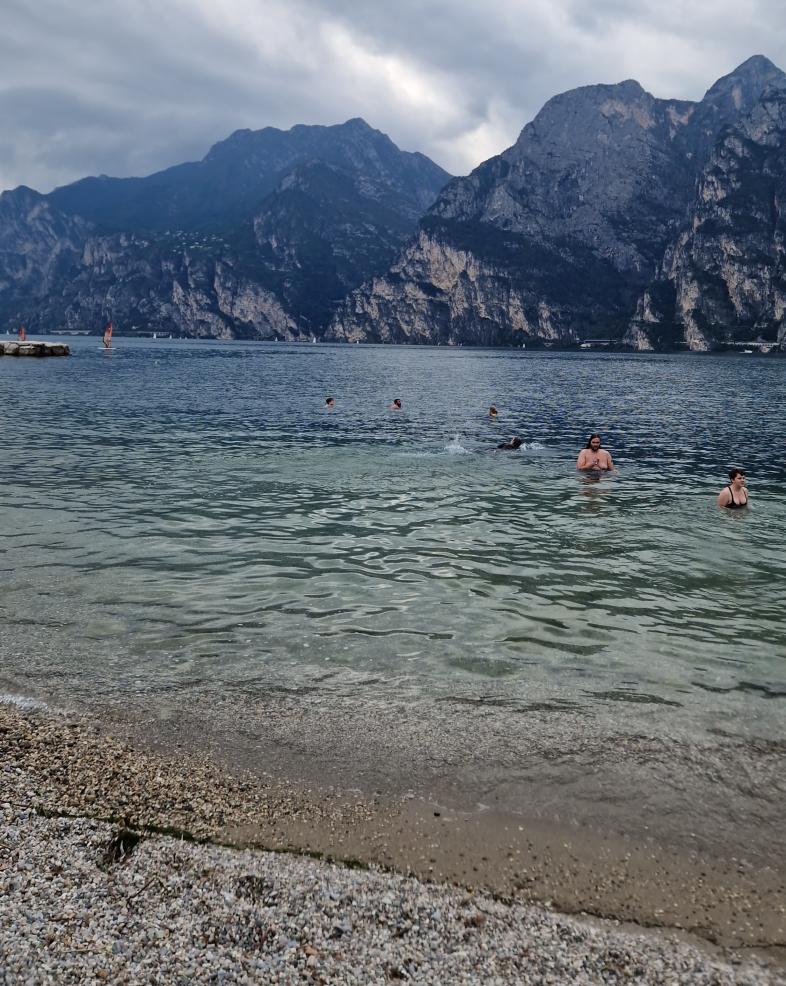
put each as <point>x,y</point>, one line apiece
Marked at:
<point>455,447</point>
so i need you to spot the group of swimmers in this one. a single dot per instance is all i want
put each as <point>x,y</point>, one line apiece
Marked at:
<point>595,459</point>
<point>330,403</point>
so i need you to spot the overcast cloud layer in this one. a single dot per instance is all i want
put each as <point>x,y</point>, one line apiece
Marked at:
<point>127,87</point>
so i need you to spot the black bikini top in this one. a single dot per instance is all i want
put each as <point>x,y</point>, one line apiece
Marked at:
<point>731,504</point>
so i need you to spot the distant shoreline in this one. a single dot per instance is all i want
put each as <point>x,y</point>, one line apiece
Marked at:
<point>773,350</point>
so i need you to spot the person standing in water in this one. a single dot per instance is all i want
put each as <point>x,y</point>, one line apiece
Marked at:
<point>594,458</point>
<point>735,495</point>
<point>107,340</point>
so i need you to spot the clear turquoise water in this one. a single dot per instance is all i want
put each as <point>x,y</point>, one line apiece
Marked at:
<point>184,526</point>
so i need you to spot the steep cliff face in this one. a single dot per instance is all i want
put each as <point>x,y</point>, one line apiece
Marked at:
<point>39,248</point>
<point>559,236</point>
<point>550,239</point>
<point>724,278</point>
<point>614,215</point>
<point>261,239</point>
<point>189,290</point>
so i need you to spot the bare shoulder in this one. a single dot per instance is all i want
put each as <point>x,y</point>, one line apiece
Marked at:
<point>724,496</point>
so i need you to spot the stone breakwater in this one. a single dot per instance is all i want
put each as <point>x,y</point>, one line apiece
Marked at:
<point>93,888</point>
<point>34,349</point>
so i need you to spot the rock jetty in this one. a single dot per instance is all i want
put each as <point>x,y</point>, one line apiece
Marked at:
<point>34,349</point>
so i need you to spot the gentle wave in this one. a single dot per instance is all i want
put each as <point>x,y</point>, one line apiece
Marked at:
<point>196,508</point>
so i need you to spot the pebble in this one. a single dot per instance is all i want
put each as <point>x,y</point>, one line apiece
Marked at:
<point>164,910</point>
<point>179,912</point>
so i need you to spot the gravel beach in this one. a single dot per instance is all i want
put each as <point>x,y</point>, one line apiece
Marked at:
<point>108,874</point>
<point>75,910</point>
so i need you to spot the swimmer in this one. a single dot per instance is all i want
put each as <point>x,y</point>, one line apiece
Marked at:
<point>396,405</point>
<point>514,443</point>
<point>330,403</point>
<point>735,495</point>
<point>493,412</point>
<point>593,457</point>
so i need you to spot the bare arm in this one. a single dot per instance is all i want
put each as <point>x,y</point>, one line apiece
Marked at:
<point>724,497</point>
<point>580,462</point>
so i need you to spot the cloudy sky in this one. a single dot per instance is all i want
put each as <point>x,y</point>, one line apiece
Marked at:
<point>126,87</point>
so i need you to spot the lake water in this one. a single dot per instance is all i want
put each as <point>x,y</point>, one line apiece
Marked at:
<point>185,531</point>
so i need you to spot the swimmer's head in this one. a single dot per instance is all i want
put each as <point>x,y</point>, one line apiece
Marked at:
<point>492,412</point>
<point>329,402</point>
<point>397,403</point>
<point>594,442</point>
<point>515,442</point>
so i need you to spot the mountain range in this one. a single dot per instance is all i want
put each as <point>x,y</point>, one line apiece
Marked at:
<point>616,215</point>
<point>263,238</point>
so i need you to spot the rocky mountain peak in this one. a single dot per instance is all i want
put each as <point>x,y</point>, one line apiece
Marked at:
<point>732,97</point>
<point>744,85</point>
<point>557,236</point>
<point>259,238</point>
<point>18,199</point>
<point>236,174</point>
<point>569,116</point>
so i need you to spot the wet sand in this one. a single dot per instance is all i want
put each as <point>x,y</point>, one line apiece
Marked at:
<point>81,766</point>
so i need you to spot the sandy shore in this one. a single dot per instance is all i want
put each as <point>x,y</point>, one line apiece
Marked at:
<point>420,893</point>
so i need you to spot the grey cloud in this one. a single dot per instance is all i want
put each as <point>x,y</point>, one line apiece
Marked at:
<point>135,86</point>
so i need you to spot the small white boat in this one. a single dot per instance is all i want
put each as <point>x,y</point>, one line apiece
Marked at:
<point>747,351</point>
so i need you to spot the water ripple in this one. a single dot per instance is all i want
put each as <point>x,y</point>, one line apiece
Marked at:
<point>192,514</point>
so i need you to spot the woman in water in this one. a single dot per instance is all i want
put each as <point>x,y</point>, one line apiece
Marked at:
<point>735,495</point>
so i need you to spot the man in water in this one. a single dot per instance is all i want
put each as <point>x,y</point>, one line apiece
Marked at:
<point>396,405</point>
<point>735,495</point>
<point>330,403</point>
<point>512,445</point>
<point>493,411</point>
<point>594,458</point>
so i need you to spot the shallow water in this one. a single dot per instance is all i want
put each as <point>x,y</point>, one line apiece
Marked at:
<point>183,525</point>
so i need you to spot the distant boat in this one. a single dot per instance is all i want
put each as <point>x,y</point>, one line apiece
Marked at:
<point>747,350</point>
